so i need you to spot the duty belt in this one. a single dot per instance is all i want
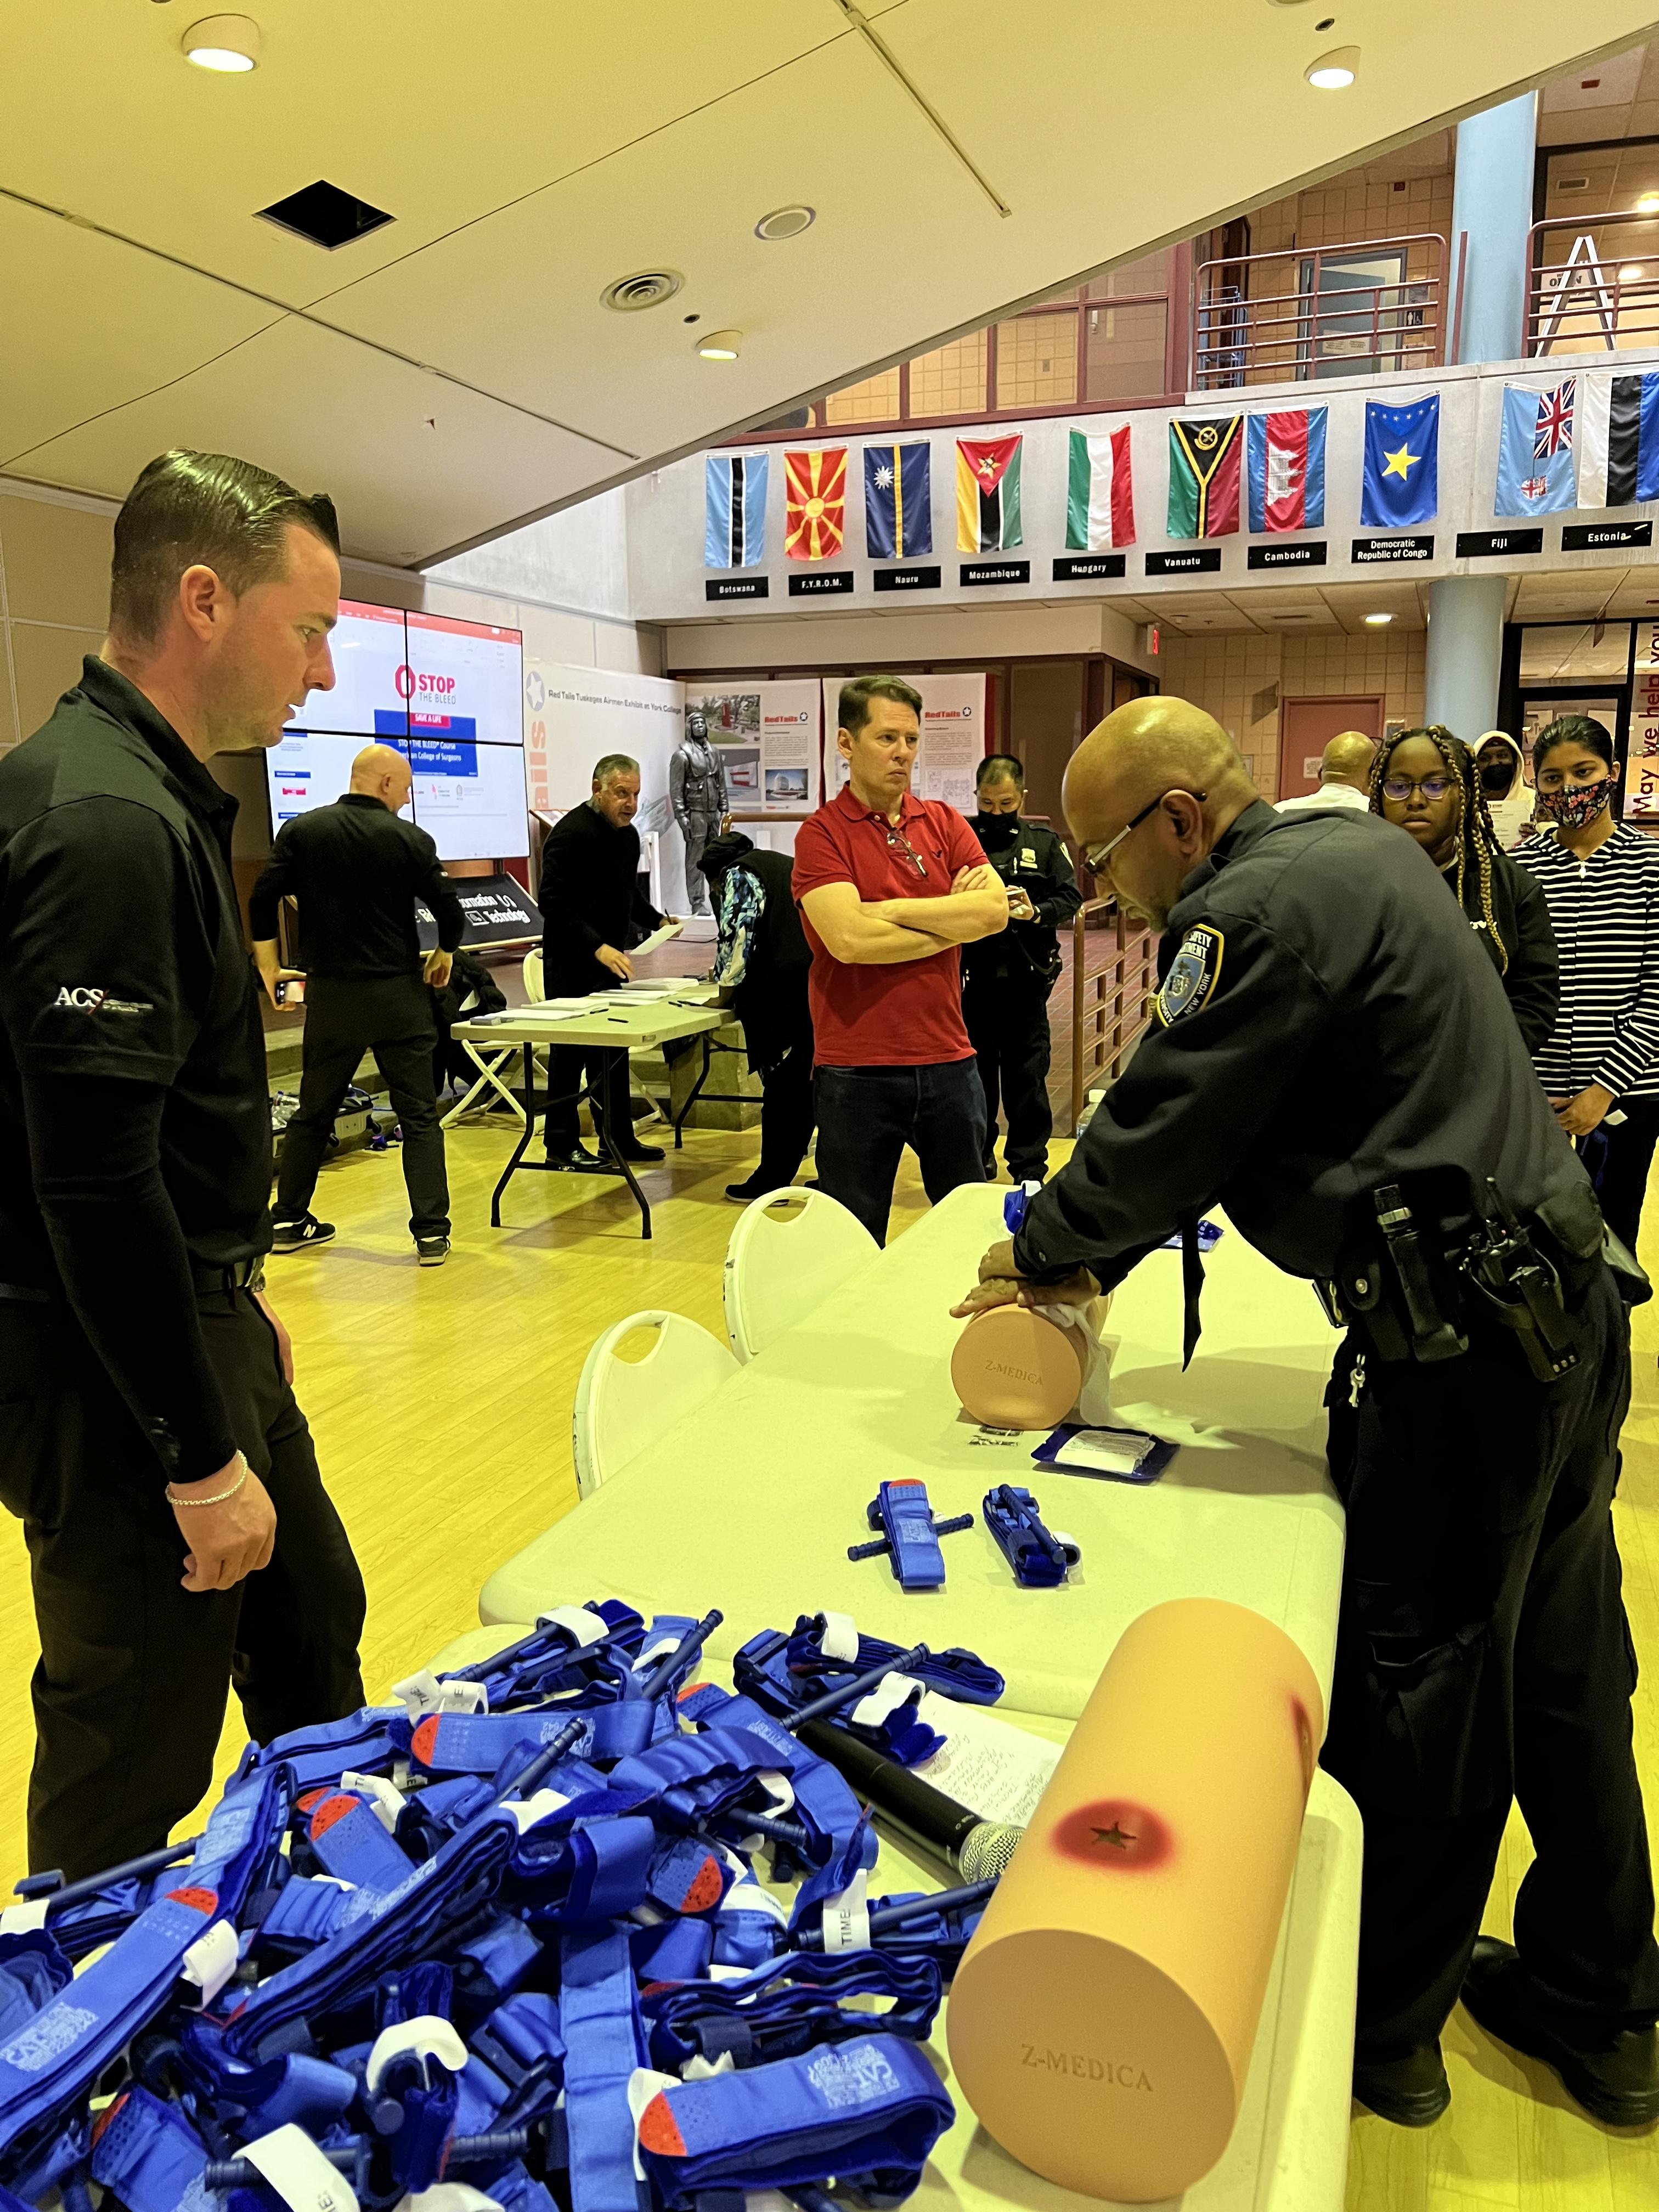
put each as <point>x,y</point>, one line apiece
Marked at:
<point>227,1276</point>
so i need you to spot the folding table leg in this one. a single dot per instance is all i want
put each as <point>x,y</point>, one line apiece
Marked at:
<point>524,1135</point>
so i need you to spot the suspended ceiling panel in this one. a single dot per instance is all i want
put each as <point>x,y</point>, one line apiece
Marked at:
<point>455,372</point>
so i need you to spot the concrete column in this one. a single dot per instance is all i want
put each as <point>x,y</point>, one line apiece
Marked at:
<point>1466,643</point>
<point>1491,202</point>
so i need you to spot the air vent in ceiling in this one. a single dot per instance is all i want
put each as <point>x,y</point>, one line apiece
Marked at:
<point>325,215</point>
<point>1572,184</point>
<point>646,288</point>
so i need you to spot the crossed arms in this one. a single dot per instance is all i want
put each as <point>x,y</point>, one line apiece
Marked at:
<point>881,932</point>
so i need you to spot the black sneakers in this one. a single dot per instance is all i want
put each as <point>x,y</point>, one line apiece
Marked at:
<point>1411,2090</point>
<point>431,1251</point>
<point>1616,2079</point>
<point>296,1235</point>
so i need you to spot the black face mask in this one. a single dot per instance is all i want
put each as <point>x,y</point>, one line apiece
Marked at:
<point>1496,777</point>
<point>996,832</point>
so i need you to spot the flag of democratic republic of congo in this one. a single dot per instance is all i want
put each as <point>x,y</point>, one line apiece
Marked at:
<point>1204,473</point>
<point>1286,458</point>
<point>898,501</point>
<point>815,503</point>
<point>734,511</point>
<point>1616,439</point>
<point>987,495</point>
<point>1401,486</point>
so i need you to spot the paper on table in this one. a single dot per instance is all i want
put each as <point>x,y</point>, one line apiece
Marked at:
<point>658,937</point>
<point>995,1770</point>
<point>1112,1451</point>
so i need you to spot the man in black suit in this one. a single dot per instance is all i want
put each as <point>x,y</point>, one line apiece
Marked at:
<point>592,910</point>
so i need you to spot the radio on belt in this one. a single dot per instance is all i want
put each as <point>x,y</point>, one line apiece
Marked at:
<point>1040,1559</point>
<point>909,1535</point>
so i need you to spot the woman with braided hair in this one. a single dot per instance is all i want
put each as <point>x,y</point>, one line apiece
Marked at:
<point>1425,780</point>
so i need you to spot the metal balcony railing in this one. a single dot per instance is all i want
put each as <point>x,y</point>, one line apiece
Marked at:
<point>1109,1000</point>
<point>1582,298</point>
<point>1323,310</point>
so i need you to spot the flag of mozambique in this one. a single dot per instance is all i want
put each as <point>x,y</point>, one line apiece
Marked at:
<point>1204,474</point>
<point>815,503</point>
<point>987,495</point>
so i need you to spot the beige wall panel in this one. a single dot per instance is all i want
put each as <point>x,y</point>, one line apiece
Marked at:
<point>57,562</point>
<point>46,663</point>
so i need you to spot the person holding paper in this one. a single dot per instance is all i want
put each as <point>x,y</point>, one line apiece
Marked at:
<point>594,908</point>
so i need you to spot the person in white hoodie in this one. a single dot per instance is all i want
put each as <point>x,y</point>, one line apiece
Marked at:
<point>1510,798</point>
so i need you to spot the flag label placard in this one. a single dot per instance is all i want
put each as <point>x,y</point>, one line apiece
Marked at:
<point>816,581</point>
<point>1493,544</point>
<point>994,572</point>
<point>1368,550</point>
<point>1083,567</point>
<point>1585,537</point>
<point>906,579</point>
<point>1310,555</point>
<point>735,587</point>
<point>1203,559</point>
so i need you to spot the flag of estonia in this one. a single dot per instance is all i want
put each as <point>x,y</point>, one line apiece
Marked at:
<point>1204,473</point>
<point>1616,439</point>
<point>1286,455</point>
<point>987,495</point>
<point>1100,500</point>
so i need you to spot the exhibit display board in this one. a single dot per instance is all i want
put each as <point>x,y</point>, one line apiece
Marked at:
<point>953,736</point>
<point>577,716</point>
<point>769,741</point>
<point>1642,772</point>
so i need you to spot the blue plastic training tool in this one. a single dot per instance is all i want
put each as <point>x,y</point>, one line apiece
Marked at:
<point>909,1535</point>
<point>1039,1559</point>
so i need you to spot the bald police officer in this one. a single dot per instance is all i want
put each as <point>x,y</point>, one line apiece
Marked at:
<point>1332,1058</point>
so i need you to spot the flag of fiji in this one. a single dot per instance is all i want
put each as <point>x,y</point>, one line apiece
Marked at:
<point>1534,452</point>
<point>1400,487</point>
<point>898,501</point>
<point>734,510</point>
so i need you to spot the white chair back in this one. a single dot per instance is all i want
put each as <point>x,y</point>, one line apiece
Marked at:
<point>623,1406</point>
<point>786,1253</point>
<point>534,990</point>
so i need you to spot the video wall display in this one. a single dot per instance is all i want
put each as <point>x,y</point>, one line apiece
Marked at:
<point>448,695</point>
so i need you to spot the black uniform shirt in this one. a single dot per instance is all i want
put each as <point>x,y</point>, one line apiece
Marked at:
<point>356,870</point>
<point>590,896</point>
<point>1031,855</point>
<point>1327,1023</point>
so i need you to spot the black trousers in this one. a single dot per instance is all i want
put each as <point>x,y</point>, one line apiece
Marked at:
<point>129,1693</point>
<point>786,1116</point>
<point>1482,1655</point>
<point>390,1016</point>
<point>1622,1181</point>
<point>1007,1019</point>
<point>868,1115</point>
<point>574,1068</point>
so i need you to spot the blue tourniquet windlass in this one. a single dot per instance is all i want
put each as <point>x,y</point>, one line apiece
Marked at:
<point>787,2006</point>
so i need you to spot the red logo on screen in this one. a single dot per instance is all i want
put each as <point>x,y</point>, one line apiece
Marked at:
<point>432,687</point>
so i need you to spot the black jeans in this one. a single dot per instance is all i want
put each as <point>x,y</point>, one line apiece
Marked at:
<point>785,1117</point>
<point>868,1115</point>
<point>1482,1654</point>
<point>129,1693</point>
<point>605,1075</point>
<point>1622,1181</point>
<point>390,1016</point>
<point>1007,1019</point>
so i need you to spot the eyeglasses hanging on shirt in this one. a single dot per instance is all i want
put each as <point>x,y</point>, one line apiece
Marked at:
<point>898,842</point>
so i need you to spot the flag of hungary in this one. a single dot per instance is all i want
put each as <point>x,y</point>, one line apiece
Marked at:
<point>1100,503</point>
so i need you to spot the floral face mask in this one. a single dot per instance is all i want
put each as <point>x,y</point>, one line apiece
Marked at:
<point>1579,804</point>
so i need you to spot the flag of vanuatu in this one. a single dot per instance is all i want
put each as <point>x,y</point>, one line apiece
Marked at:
<point>1204,458</point>
<point>987,495</point>
<point>815,504</point>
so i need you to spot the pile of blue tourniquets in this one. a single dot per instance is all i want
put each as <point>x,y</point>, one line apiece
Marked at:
<point>505,1933</point>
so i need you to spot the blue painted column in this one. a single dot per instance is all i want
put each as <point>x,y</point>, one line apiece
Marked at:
<point>1491,202</point>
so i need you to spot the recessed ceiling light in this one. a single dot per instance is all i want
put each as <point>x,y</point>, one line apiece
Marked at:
<point>785,222</point>
<point>1630,272</point>
<point>720,345</point>
<point>1376,622</point>
<point>228,44</point>
<point>1334,70</point>
<point>1648,205</point>
<point>646,288</point>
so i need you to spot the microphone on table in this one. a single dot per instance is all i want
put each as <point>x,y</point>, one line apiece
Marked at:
<point>979,1850</point>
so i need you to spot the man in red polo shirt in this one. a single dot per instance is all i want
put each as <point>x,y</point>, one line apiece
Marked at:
<point>889,886</point>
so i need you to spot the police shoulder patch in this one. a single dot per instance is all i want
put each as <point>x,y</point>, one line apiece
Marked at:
<point>1193,974</point>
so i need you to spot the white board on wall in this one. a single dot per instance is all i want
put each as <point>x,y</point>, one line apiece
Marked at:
<point>574,716</point>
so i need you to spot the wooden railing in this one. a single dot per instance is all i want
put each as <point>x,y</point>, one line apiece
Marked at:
<point>1109,1000</point>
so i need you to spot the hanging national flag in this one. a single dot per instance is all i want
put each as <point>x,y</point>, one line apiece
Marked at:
<point>1400,487</point>
<point>1100,494</point>
<point>1616,439</point>
<point>987,495</point>
<point>734,511</point>
<point>898,501</point>
<point>1535,451</point>
<point>1204,458</point>
<point>815,503</point>
<point>1286,455</point>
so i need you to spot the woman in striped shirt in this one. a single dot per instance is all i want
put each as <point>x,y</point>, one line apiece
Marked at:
<point>1601,1062</point>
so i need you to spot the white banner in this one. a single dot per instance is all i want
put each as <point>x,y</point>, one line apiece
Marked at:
<point>573,717</point>
<point>768,739</point>
<point>1642,769</point>
<point>952,736</point>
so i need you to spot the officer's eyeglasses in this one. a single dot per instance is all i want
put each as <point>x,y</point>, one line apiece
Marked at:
<point>1098,855</point>
<point>1432,787</point>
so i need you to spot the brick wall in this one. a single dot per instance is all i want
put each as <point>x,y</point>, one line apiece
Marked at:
<point>1233,678</point>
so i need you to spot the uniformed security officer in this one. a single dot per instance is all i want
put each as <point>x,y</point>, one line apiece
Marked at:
<point>1332,1060</point>
<point>1006,979</point>
<point>177,1525</point>
<point>697,797</point>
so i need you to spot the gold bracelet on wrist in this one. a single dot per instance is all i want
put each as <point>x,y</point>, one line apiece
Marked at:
<point>219,1495</point>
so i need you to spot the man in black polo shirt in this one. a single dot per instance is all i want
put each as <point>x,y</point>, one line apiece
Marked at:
<point>178,1527</point>
<point>357,869</point>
